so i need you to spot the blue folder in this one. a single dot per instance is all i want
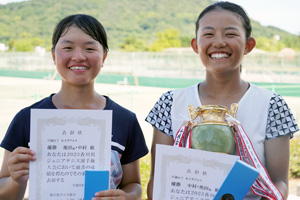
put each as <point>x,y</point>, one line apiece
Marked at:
<point>95,181</point>
<point>239,181</point>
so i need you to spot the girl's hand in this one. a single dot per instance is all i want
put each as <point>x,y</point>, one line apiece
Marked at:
<point>111,195</point>
<point>18,164</point>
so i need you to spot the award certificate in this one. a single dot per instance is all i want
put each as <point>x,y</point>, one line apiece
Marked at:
<point>67,143</point>
<point>182,173</point>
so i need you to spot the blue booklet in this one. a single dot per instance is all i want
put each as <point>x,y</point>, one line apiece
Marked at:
<point>238,181</point>
<point>95,181</point>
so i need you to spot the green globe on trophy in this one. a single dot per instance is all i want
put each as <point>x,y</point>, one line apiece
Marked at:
<point>212,132</point>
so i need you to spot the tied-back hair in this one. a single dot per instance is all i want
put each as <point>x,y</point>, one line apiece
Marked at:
<point>86,23</point>
<point>234,8</point>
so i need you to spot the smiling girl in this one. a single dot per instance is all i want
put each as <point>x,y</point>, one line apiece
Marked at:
<point>79,51</point>
<point>223,38</point>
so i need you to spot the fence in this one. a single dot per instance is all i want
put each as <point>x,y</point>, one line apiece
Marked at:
<point>142,67</point>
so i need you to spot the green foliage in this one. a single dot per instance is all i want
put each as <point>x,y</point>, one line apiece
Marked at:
<point>167,39</point>
<point>295,158</point>
<point>132,43</point>
<point>269,44</point>
<point>131,25</point>
<point>121,18</point>
<point>145,167</point>
<point>23,45</point>
<point>25,42</point>
<point>292,42</point>
<point>185,41</point>
<point>266,38</point>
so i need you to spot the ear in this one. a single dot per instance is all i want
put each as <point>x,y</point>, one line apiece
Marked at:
<point>53,55</point>
<point>194,45</point>
<point>250,45</point>
<point>104,57</point>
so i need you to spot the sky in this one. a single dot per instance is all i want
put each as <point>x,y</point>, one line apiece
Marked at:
<point>283,14</point>
<point>9,1</point>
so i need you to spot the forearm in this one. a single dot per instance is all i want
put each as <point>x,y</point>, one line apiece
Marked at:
<point>11,190</point>
<point>150,189</point>
<point>283,189</point>
<point>277,163</point>
<point>133,191</point>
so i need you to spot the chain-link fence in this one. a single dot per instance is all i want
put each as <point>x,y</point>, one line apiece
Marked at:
<point>257,66</point>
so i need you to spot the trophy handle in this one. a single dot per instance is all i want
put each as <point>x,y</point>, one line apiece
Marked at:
<point>193,114</point>
<point>233,109</point>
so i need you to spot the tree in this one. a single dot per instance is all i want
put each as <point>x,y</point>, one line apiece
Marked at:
<point>167,39</point>
<point>269,44</point>
<point>186,41</point>
<point>132,43</point>
<point>25,42</point>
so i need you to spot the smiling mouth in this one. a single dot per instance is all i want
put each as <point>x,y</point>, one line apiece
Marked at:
<point>219,55</point>
<point>78,68</point>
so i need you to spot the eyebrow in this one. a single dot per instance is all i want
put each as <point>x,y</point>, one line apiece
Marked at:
<point>67,41</point>
<point>71,42</point>
<point>211,28</point>
<point>207,28</point>
<point>231,28</point>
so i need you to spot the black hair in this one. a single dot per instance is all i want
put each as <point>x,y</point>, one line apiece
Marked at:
<point>234,8</point>
<point>86,23</point>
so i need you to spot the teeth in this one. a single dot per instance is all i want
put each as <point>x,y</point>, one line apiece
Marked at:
<point>78,68</point>
<point>219,55</point>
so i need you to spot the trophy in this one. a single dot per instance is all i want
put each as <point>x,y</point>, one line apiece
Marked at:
<point>212,132</point>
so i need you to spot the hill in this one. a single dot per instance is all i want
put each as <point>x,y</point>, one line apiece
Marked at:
<point>138,19</point>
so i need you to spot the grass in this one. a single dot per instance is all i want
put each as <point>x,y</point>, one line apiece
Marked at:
<point>295,158</point>
<point>145,166</point>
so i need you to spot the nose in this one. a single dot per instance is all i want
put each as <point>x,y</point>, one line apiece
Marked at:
<point>219,42</point>
<point>78,55</point>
